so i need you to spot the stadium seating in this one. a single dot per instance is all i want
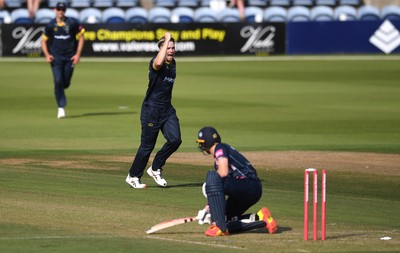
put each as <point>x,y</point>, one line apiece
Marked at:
<point>44,16</point>
<point>5,17</point>
<point>351,2</point>
<point>326,2</point>
<point>21,16</point>
<point>258,3</point>
<point>322,13</point>
<point>80,3</point>
<point>368,12</point>
<point>126,3</point>
<point>275,14</point>
<point>205,15</point>
<point>90,15</point>
<point>307,3</point>
<point>164,3</point>
<point>182,15</point>
<point>299,14</point>
<point>283,3</point>
<point>188,3</point>
<point>72,13</point>
<point>14,4</point>
<point>136,15</point>
<point>113,15</point>
<point>345,13</point>
<point>159,15</point>
<point>102,3</point>
<point>53,3</point>
<point>229,15</point>
<point>254,14</point>
<point>390,12</point>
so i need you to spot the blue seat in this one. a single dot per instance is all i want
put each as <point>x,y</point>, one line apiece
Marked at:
<point>113,15</point>
<point>80,3</point>
<point>368,12</point>
<point>391,12</point>
<point>14,4</point>
<point>308,3</point>
<point>53,3</point>
<point>283,3</point>
<point>159,15</point>
<point>205,15</point>
<point>21,16</point>
<point>326,2</point>
<point>72,13</point>
<point>102,3</point>
<point>322,13</point>
<point>299,14</point>
<point>229,15</point>
<point>90,15</point>
<point>351,2</point>
<point>345,13</point>
<point>44,16</point>
<point>164,3</point>
<point>5,17</point>
<point>188,3</point>
<point>275,14</point>
<point>182,15</point>
<point>257,3</point>
<point>126,3</point>
<point>254,14</point>
<point>136,15</point>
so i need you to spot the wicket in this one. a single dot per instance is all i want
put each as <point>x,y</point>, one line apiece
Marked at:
<point>315,204</point>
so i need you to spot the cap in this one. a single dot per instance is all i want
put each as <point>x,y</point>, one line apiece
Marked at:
<point>207,136</point>
<point>61,5</point>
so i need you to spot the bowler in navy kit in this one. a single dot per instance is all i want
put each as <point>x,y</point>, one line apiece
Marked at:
<point>62,45</point>
<point>235,178</point>
<point>157,115</point>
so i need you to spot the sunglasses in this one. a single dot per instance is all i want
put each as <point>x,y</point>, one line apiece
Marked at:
<point>60,9</point>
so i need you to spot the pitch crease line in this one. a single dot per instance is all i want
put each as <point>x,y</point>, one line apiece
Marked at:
<point>194,242</point>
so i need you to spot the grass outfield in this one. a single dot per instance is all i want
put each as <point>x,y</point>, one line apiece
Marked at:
<point>62,181</point>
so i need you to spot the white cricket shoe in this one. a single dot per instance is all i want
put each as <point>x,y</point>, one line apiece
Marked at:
<point>134,182</point>
<point>61,113</point>
<point>157,176</point>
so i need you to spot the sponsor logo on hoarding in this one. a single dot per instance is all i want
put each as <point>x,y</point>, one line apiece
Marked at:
<point>259,39</point>
<point>29,40</point>
<point>386,38</point>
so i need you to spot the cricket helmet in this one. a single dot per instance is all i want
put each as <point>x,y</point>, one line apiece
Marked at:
<point>206,138</point>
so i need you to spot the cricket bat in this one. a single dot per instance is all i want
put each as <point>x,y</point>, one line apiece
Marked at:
<point>170,223</point>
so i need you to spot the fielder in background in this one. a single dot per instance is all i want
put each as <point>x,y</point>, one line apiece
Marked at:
<point>234,177</point>
<point>62,45</point>
<point>157,115</point>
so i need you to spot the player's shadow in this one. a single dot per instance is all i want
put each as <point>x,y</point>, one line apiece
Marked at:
<point>265,231</point>
<point>180,185</point>
<point>100,114</point>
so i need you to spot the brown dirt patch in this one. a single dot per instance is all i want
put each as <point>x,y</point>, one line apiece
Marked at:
<point>388,164</point>
<point>371,163</point>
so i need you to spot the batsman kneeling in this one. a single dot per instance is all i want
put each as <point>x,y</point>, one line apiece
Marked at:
<point>231,189</point>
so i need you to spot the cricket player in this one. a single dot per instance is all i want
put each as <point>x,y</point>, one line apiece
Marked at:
<point>235,178</point>
<point>62,46</point>
<point>157,115</point>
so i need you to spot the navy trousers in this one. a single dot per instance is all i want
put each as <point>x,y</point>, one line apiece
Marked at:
<point>155,119</point>
<point>62,69</point>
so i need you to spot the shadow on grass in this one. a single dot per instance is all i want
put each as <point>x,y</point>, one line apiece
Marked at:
<point>99,114</point>
<point>178,185</point>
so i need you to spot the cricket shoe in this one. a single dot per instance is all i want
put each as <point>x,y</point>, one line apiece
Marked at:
<point>61,113</point>
<point>265,215</point>
<point>157,176</point>
<point>134,182</point>
<point>215,231</point>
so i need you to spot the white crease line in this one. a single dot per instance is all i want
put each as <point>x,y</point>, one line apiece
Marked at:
<point>56,237</point>
<point>194,242</point>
